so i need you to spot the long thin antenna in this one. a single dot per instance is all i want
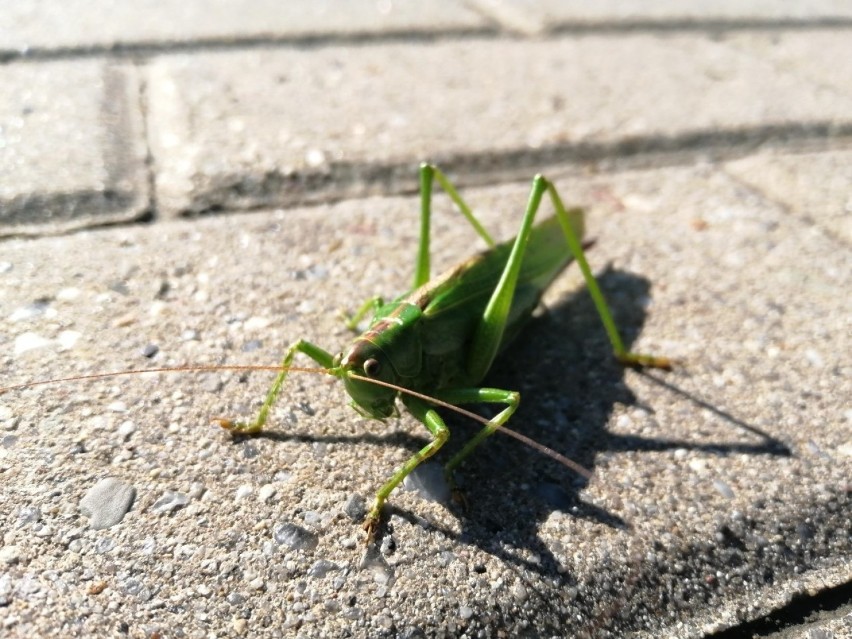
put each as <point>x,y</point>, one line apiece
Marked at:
<point>211,368</point>
<point>545,450</point>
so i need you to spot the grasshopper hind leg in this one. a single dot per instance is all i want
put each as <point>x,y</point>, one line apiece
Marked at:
<point>627,358</point>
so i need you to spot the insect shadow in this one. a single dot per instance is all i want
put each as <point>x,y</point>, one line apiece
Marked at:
<point>570,384</point>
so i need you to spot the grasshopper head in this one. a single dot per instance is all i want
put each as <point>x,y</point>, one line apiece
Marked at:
<point>369,399</point>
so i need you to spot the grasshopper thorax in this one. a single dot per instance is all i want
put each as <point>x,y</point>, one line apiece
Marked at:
<point>389,351</point>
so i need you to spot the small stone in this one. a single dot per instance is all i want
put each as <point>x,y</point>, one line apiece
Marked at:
<point>124,320</point>
<point>170,502</point>
<point>196,490</point>
<point>814,358</point>
<point>252,345</point>
<point>104,545</point>
<point>30,341</point>
<point>355,508</point>
<point>723,488</point>
<point>312,517</point>
<point>10,555</point>
<point>314,158</point>
<point>266,493</point>
<point>107,502</point>
<point>31,311</point>
<point>321,568</point>
<point>211,383</point>
<point>67,294</point>
<point>243,491</point>
<point>29,514</point>
<point>149,350</point>
<point>555,496</point>
<point>294,537</point>
<point>373,561</point>
<point>698,465</point>
<point>256,323</point>
<point>68,339</point>
<point>126,429</point>
<point>332,605</point>
<point>428,481</point>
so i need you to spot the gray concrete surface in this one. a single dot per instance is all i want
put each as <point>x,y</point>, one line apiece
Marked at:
<point>232,130</point>
<point>714,164</point>
<point>73,146</point>
<point>542,16</point>
<point>79,26</point>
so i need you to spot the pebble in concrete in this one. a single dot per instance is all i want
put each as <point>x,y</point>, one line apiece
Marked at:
<point>107,502</point>
<point>428,481</point>
<point>295,537</point>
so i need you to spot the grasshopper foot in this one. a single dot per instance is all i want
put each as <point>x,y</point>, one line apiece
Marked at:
<point>456,494</point>
<point>639,360</point>
<point>372,521</point>
<point>371,526</point>
<point>237,428</point>
<point>460,500</point>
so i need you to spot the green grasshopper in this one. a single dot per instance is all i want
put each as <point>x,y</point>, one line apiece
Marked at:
<point>434,345</point>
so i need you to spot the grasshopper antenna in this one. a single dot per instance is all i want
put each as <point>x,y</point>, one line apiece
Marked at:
<point>545,450</point>
<point>164,369</point>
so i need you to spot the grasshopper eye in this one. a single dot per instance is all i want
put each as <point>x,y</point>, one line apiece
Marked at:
<point>372,367</point>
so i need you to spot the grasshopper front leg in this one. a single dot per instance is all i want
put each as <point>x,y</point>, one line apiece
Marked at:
<point>319,355</point>
<point>479,396</point>
<point>430,418</point>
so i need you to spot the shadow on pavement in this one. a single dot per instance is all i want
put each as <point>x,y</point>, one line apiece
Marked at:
<point>570,384</point>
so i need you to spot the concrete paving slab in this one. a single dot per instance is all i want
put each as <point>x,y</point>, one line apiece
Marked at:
<point>33,26</point>
<point>236,130</point>
<point>72,146</point>
<point>816,186</point>
<point>538,16</point>
<point>720,490</point>
<point>819,56</point>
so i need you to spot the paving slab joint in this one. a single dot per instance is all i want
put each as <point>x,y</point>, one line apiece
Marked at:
<point>337,181</point>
